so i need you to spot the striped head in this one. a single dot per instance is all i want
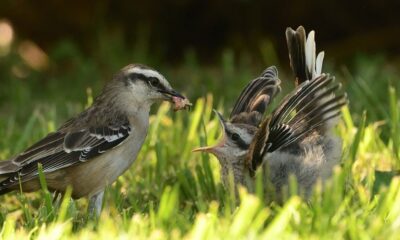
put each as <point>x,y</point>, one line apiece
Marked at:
<point>232,149</point>
<point>142,86</point>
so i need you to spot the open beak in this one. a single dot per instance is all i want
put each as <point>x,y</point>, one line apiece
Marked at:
<point>208,149</point>
<point>221,120</point>
<point>213,149</point>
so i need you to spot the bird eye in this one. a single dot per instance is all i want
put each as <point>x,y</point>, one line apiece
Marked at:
<point>154,82</point>
<point>235,136</point>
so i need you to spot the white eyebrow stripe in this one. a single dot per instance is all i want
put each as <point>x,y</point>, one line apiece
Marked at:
<point>150,73</point>
<point>146,72</point>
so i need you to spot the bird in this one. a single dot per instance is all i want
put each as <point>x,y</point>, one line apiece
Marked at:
<point>245,117</point>
<point>91,150</point>
<point>296,138</point>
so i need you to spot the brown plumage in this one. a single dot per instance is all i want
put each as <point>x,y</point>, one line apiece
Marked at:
<point>92,149</point>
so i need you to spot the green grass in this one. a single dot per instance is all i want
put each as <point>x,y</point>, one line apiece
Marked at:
<point>172,193</point>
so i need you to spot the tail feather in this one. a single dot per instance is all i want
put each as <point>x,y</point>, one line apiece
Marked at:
<point>302,54</point>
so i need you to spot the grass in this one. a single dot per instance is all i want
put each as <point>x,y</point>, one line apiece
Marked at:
<point>171,193</point>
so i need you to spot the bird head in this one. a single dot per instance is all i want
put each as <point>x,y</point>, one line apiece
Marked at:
<point>231,149</point>
<point>145,86</point>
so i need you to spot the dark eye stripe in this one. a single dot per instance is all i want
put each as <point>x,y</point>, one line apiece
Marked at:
<point>139,76</point>
<point>240,143</point>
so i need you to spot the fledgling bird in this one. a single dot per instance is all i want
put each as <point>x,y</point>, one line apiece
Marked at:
<point>91,150</point>
<point>296,139</point>
<point>245,118</point>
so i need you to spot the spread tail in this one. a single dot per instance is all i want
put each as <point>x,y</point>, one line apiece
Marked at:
<point>302,54</point>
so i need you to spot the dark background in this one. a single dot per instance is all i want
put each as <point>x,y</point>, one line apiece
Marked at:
<point>170,28</point>
<point>64,51</point>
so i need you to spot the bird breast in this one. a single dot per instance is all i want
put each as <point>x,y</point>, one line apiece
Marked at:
<point>315,160</point>
<point>91,177</point>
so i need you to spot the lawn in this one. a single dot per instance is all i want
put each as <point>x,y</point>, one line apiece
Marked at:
<point>172,193</point>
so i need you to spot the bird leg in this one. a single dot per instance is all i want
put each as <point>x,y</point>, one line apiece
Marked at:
<point>95,204</point>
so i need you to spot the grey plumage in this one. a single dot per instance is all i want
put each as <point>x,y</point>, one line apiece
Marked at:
<point>92,149</point>
<point>245,118</point>
<point>296,138</point>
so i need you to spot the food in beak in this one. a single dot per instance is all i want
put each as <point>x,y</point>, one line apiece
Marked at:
<point>180,103</point>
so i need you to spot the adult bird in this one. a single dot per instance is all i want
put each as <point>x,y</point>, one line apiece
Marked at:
<point>91,150</point>
<point>296,139</point>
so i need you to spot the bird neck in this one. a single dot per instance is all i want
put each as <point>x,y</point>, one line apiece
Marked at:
<point>234,172</point>
<point>124,102</point>
<point>234,176</point>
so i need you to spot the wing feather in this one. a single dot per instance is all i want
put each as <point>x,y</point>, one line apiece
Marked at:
<point>306,110</point>
<point>255,97</point>
<point>59,150</point>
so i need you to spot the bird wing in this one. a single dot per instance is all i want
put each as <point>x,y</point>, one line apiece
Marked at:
<point>297,117</point>
<point>63,149</point>
<point>255,97</point>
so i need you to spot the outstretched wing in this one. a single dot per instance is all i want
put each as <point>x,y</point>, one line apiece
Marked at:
<point>63,149</point>
<point>255,97</point>
<point>297,117</point>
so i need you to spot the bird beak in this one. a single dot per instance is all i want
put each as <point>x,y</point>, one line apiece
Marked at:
<point>221,120</point>
<point>214,149</point>
<point>171,93</point>
<point>179,101</point>
<point>207,149</point>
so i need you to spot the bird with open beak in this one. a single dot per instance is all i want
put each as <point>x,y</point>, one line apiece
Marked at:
<point>90,151</point>
<point>296,138</point>
<point>238,133</point>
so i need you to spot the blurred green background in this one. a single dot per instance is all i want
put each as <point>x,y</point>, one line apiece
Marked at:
<point>55,51</point>
<point>201,46</point>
